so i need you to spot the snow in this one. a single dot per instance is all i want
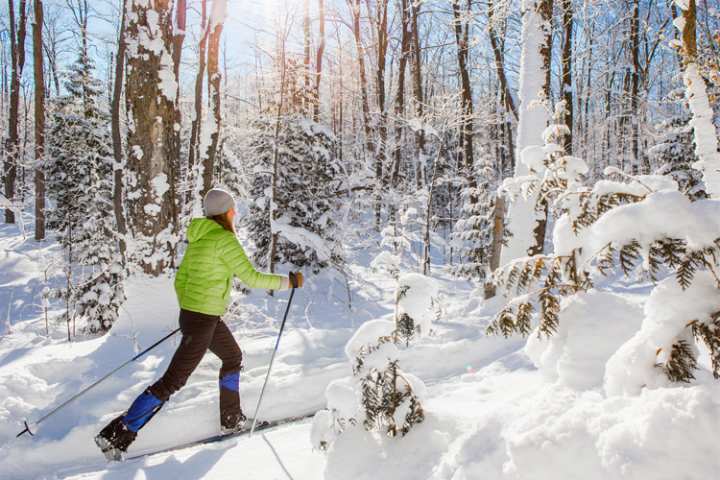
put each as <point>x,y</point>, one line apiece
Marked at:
<point>668,311</point>
<point>705,133</point>
<point>662,214</point>
<point>218,14</point>
<point>534,117</point>
<point>417,297</point>
<point>576,355</point>
<point>160,185</point>
<point>587,403</point>
<point>367,334</point>
<point>302,237</point>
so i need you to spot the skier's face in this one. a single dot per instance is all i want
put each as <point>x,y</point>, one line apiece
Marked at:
<point>231,215</point>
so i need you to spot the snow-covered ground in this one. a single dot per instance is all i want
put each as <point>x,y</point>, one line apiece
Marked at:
<point>494,408</point>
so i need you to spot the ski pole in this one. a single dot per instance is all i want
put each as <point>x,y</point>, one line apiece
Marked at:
<point>272,359</point>
<point>85,390</point>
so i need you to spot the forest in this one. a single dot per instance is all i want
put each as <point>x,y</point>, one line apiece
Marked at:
<point>519,197</point>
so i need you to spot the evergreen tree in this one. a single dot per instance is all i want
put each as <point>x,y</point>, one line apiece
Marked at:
<point>472,235</point>
<point>674,155</point>
<point>298,154</point>
<point>79,174</point>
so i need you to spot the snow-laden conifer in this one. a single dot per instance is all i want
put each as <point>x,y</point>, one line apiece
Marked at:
<point>79,172</point>
<point>298,207</point>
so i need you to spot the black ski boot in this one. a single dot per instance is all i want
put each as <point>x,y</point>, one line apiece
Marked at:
<point>115,439</point>
<point>232,423</point>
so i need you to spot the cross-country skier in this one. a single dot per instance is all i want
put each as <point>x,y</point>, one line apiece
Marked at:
<point>202,284</point>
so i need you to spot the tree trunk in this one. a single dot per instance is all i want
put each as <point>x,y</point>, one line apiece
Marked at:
<point>179,37</point>
<point>496,245</point>
<point>369,146</point>
<point>39,80</point>
<point>319,61</point>
<point>705,134</point>
<point>119,167</point>
<point>416,62</point>
<point>462,34</point>
<point>307,40</point>
<point>635,88</point>
<point>567,90</point>
<point>525,223</point>
<point>151,135</point>
<point>195,129</point>
<point>12,144</point>
<point>381,19</point>
<point>499,56</point>
<point>214,83</point>
<point>400,96</point>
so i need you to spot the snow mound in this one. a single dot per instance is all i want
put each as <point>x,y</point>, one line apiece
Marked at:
<point>662,434</point>
<point>417,297</point>
<point>367,334</point>
<point>667,314</point>
<point>592,327</point>
<point>363,455</point>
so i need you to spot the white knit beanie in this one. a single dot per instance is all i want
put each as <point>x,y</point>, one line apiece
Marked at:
<point>217,201</point>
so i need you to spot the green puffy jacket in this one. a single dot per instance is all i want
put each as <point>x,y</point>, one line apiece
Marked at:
<point>213,256</point>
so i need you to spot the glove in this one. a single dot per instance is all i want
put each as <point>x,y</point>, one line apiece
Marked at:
<point>295,279</point>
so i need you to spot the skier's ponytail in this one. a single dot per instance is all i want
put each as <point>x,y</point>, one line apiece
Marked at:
<point>224,221</point>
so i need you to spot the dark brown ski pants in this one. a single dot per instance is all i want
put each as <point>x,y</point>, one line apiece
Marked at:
<point>200,333</point>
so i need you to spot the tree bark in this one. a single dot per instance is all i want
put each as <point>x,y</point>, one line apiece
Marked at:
<point>151,136</point>
<point>214,83</point>
<point>12,144</point>
<point>416,62</point>
<point>496,245</point>
<point>400,95</point>
<point>179,37</point>
<point>39,81</point>
<point>462,34</point>
<point>381,20</point>
<point>705,134</point>
<point>119,167</point>
<point>195,129</point>
<point>307,100</point>
<point>355,10</point>
<point>319,61</point>
<point>499,57</point>
<point>369,144</point>
<point>567,59</point>
<point>635,88</point>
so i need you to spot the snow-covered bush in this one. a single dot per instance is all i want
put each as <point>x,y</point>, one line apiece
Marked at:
<point>378,397</point>
<point>642,224</point>
<point>293,188</point>
<point>386,262</point>
<point>416,301</point>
